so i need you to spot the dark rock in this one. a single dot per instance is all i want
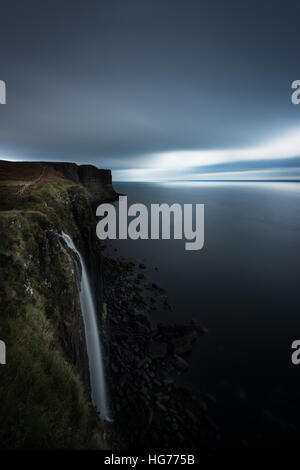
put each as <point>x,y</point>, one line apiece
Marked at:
<point>161,406</point>
<point>180,363</point>
<point>142,355</point>
<point>157,349</point>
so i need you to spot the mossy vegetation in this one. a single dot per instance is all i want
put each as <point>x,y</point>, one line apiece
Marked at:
<point>44,403</point>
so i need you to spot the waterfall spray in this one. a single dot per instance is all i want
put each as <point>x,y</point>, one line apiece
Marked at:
<point>96,363</point>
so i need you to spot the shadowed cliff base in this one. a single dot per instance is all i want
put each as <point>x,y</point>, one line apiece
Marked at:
<point>153,408</point>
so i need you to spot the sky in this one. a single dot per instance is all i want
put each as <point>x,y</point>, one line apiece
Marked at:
<point>153,89</point>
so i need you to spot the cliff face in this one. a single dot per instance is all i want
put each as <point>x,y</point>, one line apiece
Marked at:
<point>97,182</point>
<point>44,387</point>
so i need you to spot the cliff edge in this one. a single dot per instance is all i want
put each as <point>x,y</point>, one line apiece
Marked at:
<point>44,386</point>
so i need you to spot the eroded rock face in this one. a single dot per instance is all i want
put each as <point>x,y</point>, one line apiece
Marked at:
<point>33,176</point>
<point>90,177</point>
<point>71,327</point>
<point>44,392</point>
<point>45,272</point>
<point>98,182</point>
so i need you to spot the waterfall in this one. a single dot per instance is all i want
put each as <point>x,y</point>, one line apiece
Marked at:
<point>96,363</point>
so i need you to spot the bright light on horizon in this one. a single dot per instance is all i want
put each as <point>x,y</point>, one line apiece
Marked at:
<point>286,146</point>
<point>186,164</point>
<point>169,165</point>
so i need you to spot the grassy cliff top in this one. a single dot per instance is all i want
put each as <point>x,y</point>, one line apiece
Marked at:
<point>19,179</point>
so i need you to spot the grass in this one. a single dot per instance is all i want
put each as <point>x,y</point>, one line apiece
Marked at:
<point>43,402</point>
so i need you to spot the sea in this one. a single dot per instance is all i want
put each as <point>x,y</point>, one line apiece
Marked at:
<point>243,286</point>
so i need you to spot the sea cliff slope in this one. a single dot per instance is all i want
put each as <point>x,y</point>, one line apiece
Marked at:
<point>44,385</point>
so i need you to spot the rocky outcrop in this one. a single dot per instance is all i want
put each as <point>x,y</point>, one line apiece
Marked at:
<point>98,182</point>
<point>153,409</point>
<point>90,177</point>
<point>31,176</point>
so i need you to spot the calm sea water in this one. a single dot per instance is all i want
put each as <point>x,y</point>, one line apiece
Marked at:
<point>243,286</point>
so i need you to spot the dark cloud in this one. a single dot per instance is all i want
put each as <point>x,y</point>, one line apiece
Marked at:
<point>111,82</point>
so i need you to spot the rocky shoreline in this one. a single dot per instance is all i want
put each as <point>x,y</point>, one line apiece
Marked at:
<point>152,408</point>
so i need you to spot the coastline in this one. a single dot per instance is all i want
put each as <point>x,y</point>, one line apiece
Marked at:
<point>145,363</point>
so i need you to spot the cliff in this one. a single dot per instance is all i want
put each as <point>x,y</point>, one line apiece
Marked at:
<point>44,387</point>
<point>97,182</point>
